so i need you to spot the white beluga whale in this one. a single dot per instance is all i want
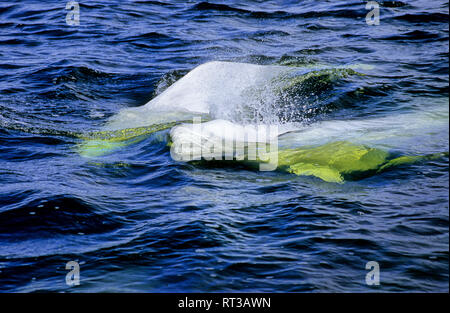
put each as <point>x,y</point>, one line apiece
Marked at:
<point>221,90</point>
<point>230,99</point>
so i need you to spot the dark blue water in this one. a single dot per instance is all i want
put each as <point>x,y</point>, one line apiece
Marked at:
<point>138,221</point>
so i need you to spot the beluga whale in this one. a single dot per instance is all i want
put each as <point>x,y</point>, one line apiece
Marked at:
<point>251,114</point>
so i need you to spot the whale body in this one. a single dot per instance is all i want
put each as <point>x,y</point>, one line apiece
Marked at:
<point>226,97</point>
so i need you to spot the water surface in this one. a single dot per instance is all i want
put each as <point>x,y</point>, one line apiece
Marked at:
<point>138,221</point>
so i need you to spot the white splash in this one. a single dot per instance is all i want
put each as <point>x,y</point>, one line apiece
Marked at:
<point>222,90</point>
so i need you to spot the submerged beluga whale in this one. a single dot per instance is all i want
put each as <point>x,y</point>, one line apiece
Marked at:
<point>217,102</point>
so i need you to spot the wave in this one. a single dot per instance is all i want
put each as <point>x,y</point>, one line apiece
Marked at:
<point>423,17</point>
<point>44,217</point>
<point>224,8</point>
